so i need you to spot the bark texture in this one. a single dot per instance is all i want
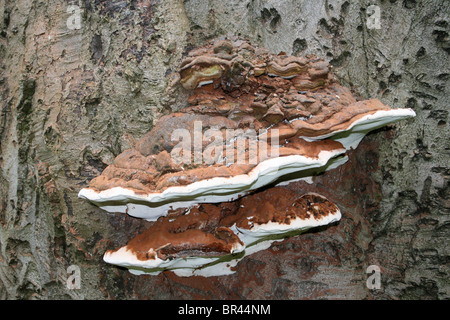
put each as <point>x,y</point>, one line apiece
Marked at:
<point>73,97</point>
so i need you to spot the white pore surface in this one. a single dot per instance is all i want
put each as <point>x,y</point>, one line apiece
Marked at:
<point>249,236</point>
<point>126,258</point>
<point>308,176</point>
<point>255,239</point>
<point>352,136</point>
<point>214,190</point>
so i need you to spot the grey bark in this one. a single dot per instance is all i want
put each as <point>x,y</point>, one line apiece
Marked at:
<point>74,98</point>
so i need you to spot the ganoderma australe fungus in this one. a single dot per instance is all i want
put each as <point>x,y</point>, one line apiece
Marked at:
<point>210,239</point>
<point>252,119</point>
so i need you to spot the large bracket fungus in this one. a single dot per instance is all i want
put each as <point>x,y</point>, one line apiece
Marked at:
<point>252,119</point>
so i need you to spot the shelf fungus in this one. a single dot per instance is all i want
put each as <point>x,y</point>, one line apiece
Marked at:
<point>252,119</point>
<point>210,239</point>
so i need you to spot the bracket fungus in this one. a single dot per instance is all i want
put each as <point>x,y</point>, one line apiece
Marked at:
<point>252,119</point>
<point>210,239</point>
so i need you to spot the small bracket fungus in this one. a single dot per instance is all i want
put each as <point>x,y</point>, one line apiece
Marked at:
<point>252,119</point>
<point>210,239</point>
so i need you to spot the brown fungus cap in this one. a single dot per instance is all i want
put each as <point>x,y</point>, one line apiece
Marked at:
<point>293,106</point>
<point>277,96</point>
<point>207,230</point>
<point>156,173</point>
<point>193,234</point>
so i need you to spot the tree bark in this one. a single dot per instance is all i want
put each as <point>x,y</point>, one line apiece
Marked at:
<point>81,81</point>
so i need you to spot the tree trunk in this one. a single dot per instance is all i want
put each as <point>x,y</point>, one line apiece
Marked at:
<point>81,81</point>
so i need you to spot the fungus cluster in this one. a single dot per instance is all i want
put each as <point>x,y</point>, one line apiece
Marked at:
<point>253,119</point>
